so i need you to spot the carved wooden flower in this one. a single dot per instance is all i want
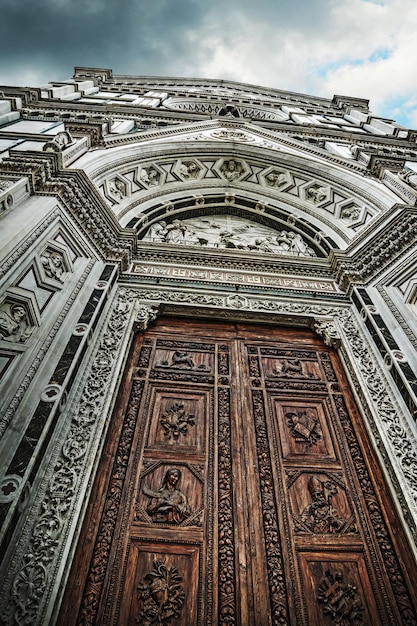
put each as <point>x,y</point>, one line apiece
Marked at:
<point>175,421</point>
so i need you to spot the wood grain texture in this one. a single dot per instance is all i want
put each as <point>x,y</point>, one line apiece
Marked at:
<point>238,486</point>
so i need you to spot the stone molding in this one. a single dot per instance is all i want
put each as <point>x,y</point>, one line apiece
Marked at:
<point>36,361</point>
<point>31,584</point>
<point>80,198</point>
<point>111,242</point>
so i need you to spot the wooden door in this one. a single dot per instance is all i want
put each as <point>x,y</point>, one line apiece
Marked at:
<point>238,487</point>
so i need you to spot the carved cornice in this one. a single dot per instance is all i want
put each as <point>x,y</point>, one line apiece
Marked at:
<point>347,102</point>
<point>378,164</point>
<point>387,245</point>
<point>81,200</point>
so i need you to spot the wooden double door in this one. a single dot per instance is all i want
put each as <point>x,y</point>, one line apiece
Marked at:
<point>238,487</point>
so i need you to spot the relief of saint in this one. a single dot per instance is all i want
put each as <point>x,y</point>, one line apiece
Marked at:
<point>320,516</point>
<point>168,504</point>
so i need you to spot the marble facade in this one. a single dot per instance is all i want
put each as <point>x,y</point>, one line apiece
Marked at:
<point>185,197</point>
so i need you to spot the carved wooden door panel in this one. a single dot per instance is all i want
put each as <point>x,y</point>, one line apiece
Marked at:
<point>237,487</point>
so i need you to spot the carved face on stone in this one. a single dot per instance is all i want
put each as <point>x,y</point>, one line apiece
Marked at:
<point>18,313</point>
<point>56,260</point>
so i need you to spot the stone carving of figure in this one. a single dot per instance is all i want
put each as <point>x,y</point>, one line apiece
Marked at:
<point>53,265</point>
<point>191,238</point>
<point>317,194</point>
<point>350,213</point>
<point>298,246</point>
<point>150,176</point>
<point>188,170</point>
<point>61,141</point>
<point>290,242</point>
<point>275,180</point>
<point>175,232</point>
<point>231,170</point>
<point>233,239</point>
<point>158,231</point>
<point>169,504</point>
<point>284,242</point>
<point>265,245</point>
<point>4,184</point>
<point>117,188</point>
<point>13,324</point>
<point>320,516</point>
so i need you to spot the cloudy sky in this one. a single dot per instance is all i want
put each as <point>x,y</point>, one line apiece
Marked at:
<point>365,48</point>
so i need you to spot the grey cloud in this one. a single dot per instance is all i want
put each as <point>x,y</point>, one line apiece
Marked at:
<point>132,37</point>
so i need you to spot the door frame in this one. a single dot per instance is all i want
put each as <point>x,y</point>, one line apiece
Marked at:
<point>72,467</point>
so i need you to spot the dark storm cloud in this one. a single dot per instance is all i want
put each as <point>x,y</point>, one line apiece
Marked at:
<point>58,35</point>
<point>48,38</point>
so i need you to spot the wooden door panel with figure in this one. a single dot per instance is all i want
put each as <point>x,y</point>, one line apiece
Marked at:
<point>237,487</point>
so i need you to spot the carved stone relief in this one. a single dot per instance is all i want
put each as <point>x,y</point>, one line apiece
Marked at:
<point>188,170</point>
<point>350,212</point>
<point>409,177</point>
<point>28,581</point>
<point>5,184</point>
<point>53,264</point>
<point>117,188</point>
<point>232,170</point>
<point>276,179</point>
<point>231,135</point>
<point>60,142</point>
<point>232,232</point>
<point>150,176</point>
<point>15,325</point>
<point>317,193</point>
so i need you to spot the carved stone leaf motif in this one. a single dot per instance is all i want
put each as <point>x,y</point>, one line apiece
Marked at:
<point>30,583</point>
<point>340,600</point>
<point>161,595</point>
<point>304,427</point>
<point>175,421</point>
